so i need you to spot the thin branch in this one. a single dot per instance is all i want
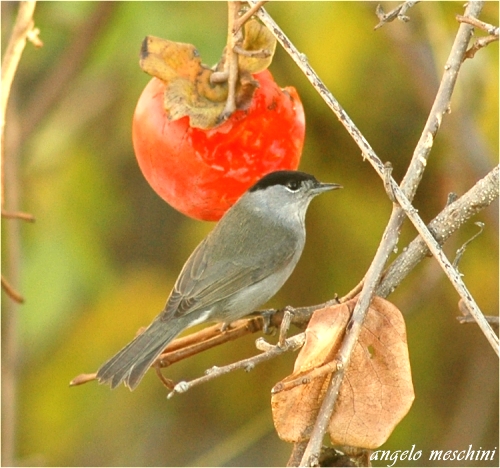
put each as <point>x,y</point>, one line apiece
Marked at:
<point>453,216</point>
<point>461,250</point>
<point>270,352</point>
<point>493,32</point>
<point>18,215</point>
<point>452,273</point>
<point>489,28</point>
<point>82,378</point>
<point>205,339</point>
<point>479,44</point>
<point>492,319</point>
<point>11,292</point>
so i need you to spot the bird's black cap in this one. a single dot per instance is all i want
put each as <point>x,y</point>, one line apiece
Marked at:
<point>285,178</point>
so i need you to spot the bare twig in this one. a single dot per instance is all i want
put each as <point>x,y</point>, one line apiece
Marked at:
<point>489,28</point>
<point>230,71</point>
<point>468,318</point>
<point>493,32</point>
<point>207,338</point>
<point>453,216</point>
<point>82,378</point>
<point>18,215</point>
<point>11,292</point>
<point>479,44</point>
<point>291,344</point>
<point>233,37</point>
<point>399,12</point>
<point>461,250</point>
<point>451,272</point>
<point>492,319</point>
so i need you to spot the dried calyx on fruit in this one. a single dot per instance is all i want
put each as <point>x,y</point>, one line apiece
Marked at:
<point>197,91</point>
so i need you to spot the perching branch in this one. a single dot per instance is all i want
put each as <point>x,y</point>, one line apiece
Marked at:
<point>270,351</point>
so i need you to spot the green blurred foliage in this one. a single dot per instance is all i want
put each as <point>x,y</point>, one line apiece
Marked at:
<point>105,250</point>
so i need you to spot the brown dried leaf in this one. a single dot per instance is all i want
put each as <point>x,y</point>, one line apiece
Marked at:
<point>188,88</point>
<point>377,390</point>
<point>168,60</point>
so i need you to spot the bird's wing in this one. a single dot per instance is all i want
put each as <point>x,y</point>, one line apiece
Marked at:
<point>204,281</point>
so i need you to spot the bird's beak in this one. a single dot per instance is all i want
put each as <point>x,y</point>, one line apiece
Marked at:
<point>324,187</point>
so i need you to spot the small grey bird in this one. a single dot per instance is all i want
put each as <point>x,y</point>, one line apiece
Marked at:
<point>239,266</point>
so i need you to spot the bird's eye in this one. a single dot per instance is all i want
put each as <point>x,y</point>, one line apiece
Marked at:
<point>293,185</point>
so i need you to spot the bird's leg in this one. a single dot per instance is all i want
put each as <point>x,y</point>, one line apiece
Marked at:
<point>266,315</point>
<point>167,382</point>
<point>285,325</point>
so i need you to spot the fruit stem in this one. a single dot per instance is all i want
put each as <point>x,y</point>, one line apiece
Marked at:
<point>231,61</point>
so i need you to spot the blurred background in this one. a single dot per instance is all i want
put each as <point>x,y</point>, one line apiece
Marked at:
<point>105,250</point>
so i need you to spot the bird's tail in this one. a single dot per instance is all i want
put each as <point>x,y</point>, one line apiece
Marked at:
<point>131,363</point>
